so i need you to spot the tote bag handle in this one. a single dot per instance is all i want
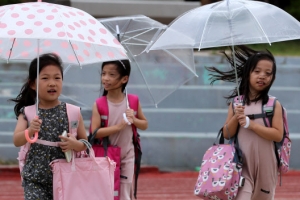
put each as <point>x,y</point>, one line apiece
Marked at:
<point>91,154</point>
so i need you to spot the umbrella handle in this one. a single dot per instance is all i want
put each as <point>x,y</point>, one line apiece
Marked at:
<point>125,119</point>
<point>36,134</point>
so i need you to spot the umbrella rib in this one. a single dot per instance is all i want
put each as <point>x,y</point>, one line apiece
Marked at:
<point>79,102</point>
<point>126,26</point>
<point>136,44</point>
<point>61,18</point>
<point>155,37</point>
<point>142,76</point>
<point>74,53</point>
<point>143,42</point>
<point>260,26</point>
<point>133,37</point>
<point>203,32</point>
<point>10,51</point>
<point>174,56</point>
<point>138,39</point>
<point>66,69</point>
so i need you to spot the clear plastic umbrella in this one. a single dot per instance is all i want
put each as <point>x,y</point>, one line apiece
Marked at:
<point>228,23</point>
<point>154,75</point>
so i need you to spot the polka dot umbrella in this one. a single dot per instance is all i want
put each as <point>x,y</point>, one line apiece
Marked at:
<point>30,29</point>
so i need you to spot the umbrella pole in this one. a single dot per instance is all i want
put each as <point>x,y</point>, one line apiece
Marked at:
<point>236,75</point>
<point>233,51</point>
<point>124,114</point>
<point>37,98</point>
<point>118,33</point>
<point>37,77</point>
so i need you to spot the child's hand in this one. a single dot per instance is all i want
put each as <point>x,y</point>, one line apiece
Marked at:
<point>35,126</point>
<point>69,143</point>
<point>242,120</point>
<point>130,115</point>
<point>122,125</point>
<point>239,110</point>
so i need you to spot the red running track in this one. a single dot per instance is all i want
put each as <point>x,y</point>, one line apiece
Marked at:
<point>153,185</point>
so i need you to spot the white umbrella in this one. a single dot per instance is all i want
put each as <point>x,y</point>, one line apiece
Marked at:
<point>30,29</point>
<point>228,23</point>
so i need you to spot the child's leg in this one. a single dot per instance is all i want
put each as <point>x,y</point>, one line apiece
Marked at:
<point>243,195</point>
<point>127,171</point>
<point>37,191</point>
<point>245,192</point>
<point>125,191</point>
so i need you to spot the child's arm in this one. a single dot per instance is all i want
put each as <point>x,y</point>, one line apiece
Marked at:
<point>274,133</point>
<point>232,123</point>
<point>105,131</point>
<point>140,121</point>
<point>71,143</point>
<point>19,133</point>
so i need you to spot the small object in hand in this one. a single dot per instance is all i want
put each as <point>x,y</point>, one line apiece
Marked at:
<point>247,122</point>
<point>238,104</point>
<point>68,154</point>
<point>29,139</point>
<point>125,118</point>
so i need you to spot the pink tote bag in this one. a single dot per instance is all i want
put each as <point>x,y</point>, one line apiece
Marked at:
<point>89,178</point>
<point>114,153</point>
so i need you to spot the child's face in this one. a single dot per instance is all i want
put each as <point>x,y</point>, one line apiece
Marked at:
<point>110,77</point>
<point>50,83</point>
<point>261,76</point>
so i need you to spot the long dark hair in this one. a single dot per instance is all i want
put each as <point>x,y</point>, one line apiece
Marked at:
<point>123,68</point>
<point>246,61</point>
<point>27,96</point>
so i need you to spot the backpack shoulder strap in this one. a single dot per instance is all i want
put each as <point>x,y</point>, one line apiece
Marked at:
<point>30,112</point>
<point>73,113</point>
<point>133,103</point>
<point>268,111</point>
<point>102,107</point>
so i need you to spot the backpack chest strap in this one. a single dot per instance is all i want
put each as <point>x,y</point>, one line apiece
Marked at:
<point>257,116</point>
<point>47,143</point>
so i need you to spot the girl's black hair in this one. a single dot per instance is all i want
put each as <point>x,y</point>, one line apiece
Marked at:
<point>246,61</point>
<point>123,68</point>
<point>27,96</point>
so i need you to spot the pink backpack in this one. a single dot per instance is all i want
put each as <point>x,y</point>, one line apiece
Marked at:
<point>133,101</point>
<point>283,148</point>
<point>73,113</point>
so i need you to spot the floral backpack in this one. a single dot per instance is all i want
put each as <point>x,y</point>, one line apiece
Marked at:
<point>220,174</point>
<point>283,148</point>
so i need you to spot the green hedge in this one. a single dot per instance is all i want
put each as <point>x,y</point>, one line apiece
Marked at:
<point>294,9</point>
<point>6,2</point>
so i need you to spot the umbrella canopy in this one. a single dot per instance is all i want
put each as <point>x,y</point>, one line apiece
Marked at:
<point>229,22</point>
<point>30,29</point>
<point>154,75</point>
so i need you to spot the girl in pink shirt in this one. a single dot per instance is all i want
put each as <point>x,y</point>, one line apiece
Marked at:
<point>114,78</point>
<point>256,73</point>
